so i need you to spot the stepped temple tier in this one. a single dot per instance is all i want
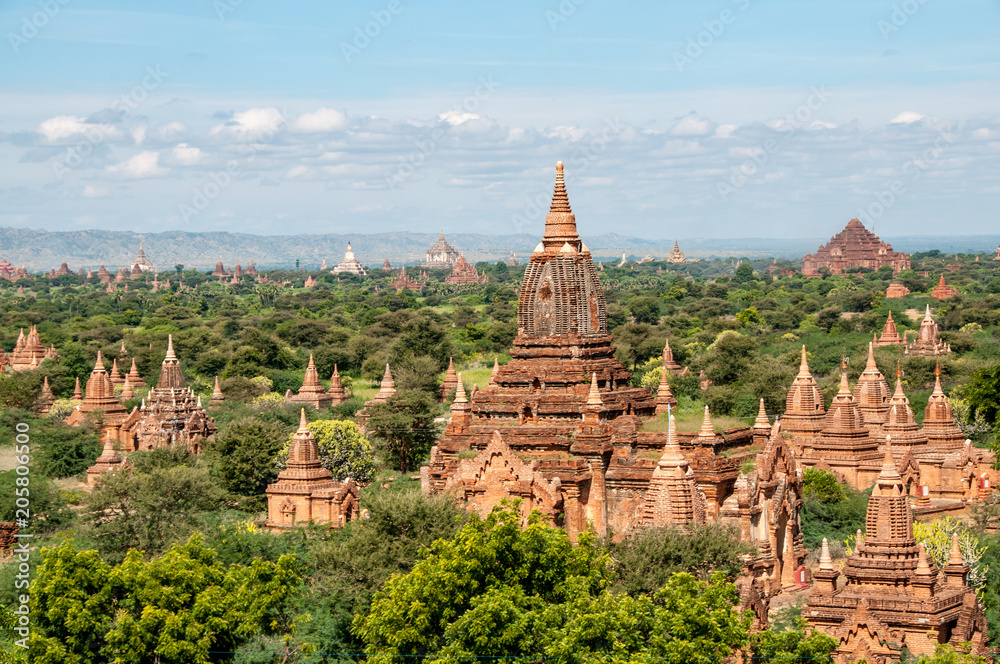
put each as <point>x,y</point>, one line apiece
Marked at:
<point>894,597</point>
<point>99,401</point>
<point>350,264</point>
<point>312,392</point>
<point>943,291</point>
<point>305,491</point>
<point>927,341</point>
<point>890,334</point>
<point>29,351</point>
<point>141,264</point>
<point>441,254</point>
<point>560,427</point>
<point>675,255</point>
<point>464,273</point>
<point>171,414</point>
<point>855,246</point>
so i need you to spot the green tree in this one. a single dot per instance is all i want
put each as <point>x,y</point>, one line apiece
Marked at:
<point>149,511</point>
<point>404,426</point>
<point>983,393</point>
<point>499,590</point>
<point>749,317</point>
<point>945,653</point>
<point>49,510</point>
<point>792,646</point>
<point>744,273</point>
<point>247,451</point>
<point>646,559</point>
<point>10,653</point>
<point>19,390</point>
<point>358,559</point>
<point>830,509</point>
<point>343,450</point>
<point>644,308</point>
<point>184,607</point>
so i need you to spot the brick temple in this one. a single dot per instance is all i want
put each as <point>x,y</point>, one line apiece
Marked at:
<point>889,595</point>
<point>850,437</point>
<point>560,428</point>
<point>855,246</point>
<point>171,415</point>
<point>29,351</point>
<point>463,273</point>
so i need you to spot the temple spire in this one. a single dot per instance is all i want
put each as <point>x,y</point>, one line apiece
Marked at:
<point>460,396</point>
<point>825,559</point>
<point>804,363</point>
<point>594,397</point>
<point>707,430</point>
<point>762,415</point>
<point>170,349</point>
<point>560,223</point>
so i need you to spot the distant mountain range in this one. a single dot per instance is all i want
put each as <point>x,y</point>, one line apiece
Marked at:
<point>40,250</point>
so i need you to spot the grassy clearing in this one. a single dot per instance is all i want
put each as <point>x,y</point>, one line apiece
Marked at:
<point>364,390</point>
<point>480,377</point>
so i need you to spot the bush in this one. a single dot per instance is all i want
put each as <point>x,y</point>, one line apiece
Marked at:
<point>648,557</point>
<point>829,511</point>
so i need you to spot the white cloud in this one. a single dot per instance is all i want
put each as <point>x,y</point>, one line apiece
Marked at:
<point>90,191</point>
<point>819,124</point>
<point>139,134</point>
<point>692,124</point>
<point>456,118</point>
<point>300,173</point>
<point>907,117</point>
<point>322,119</point>
<point>65,126</point>
<point>725,131</point>
<point>567,133</point>
<point>143,165</point>
<point>186,155</point>
<point>985,133</point>
<point>252,123</point>
<point>169,131</point>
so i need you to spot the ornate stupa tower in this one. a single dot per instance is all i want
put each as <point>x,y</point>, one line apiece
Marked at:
<point>893,596</point>
<point>562,325</point>
<point>172,414</point>
<point>871,394</point>
<point>562,393</point>
<point>100,396</point>
<point>804,413</point>
<point>845,445</point>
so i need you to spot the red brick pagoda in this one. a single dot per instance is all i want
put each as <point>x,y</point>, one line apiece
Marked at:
<point>855,246</point>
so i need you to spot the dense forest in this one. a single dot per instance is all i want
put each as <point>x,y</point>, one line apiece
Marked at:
<point>169,563</point>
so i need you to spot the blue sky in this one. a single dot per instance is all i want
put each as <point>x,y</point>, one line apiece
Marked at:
<point>710,119</point>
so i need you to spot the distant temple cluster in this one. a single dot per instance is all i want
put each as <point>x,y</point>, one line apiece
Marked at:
<point>28,352</point>
<point>853,247</point>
